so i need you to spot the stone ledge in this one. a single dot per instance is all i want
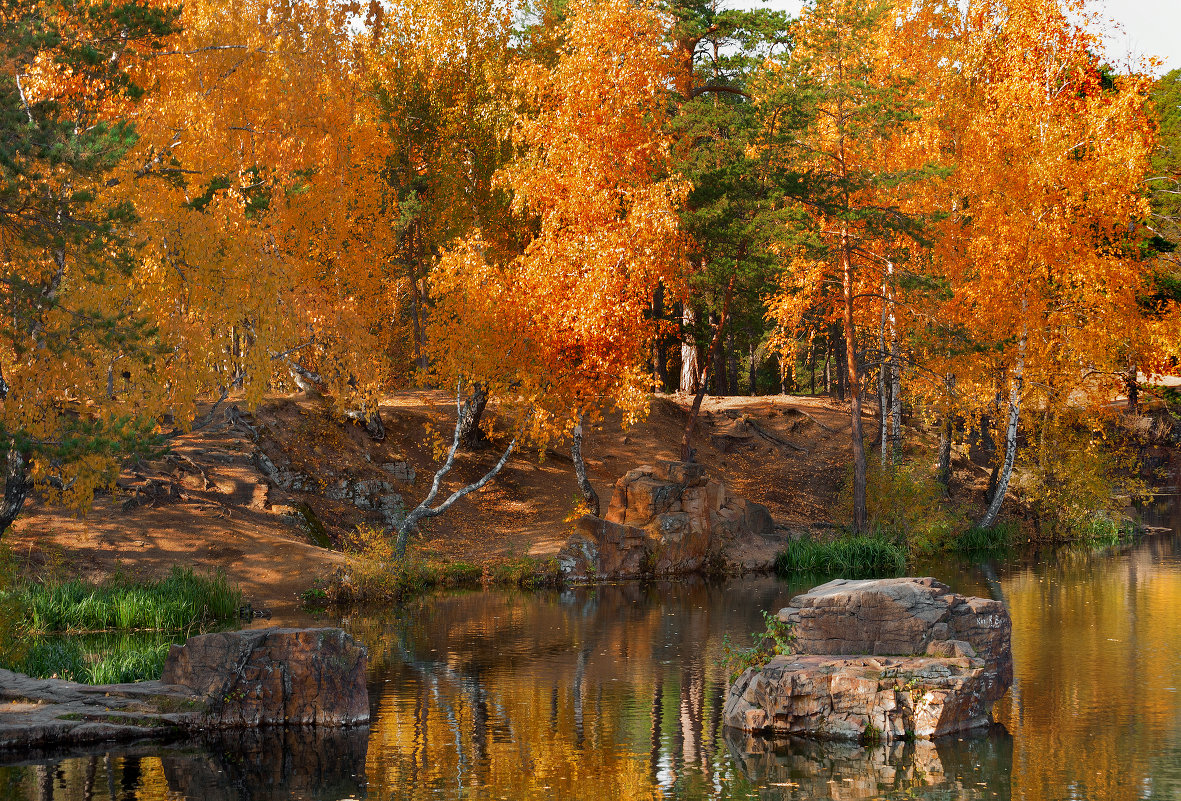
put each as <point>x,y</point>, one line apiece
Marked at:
<point>241,679</point>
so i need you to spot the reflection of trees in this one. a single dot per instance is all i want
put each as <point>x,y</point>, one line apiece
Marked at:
<point>607,691</point>
<point>1095,641</point>
<point>255,765</point>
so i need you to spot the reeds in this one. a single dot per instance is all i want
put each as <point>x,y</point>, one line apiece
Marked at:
<point>849,556</point>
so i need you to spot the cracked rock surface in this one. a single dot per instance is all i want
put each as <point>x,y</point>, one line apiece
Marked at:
<point>894,658</point>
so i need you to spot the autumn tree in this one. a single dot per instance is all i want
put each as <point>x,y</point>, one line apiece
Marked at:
<point>67,89</point>
<point>858,107</point>
<point>560,331</point>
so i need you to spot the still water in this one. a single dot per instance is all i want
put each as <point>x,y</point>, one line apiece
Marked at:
<point>616,692</point>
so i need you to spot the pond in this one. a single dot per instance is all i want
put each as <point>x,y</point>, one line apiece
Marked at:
<point>616,692</point>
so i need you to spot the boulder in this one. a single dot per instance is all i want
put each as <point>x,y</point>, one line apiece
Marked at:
<point>863,697</point>
<point>900,616</point>
<point>229,680</point>
<point>664,519</point>
<point>268,676</point>
<point>890,658</point>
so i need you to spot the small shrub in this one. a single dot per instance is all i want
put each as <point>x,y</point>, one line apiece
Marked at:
<point>849,556</point>
<point>774,640</point>
<point>374,576</point>
<point>907,503</point>
<point>1074,472</point>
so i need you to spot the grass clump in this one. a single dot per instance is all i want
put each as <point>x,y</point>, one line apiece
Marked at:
<point>89,659</point>
<point>1105,530</point>
<point>986,541</point>
<point>850,556</point>
<point>181,602</point>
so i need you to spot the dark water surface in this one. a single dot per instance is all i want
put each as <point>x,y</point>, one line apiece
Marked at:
<point>616,692</point>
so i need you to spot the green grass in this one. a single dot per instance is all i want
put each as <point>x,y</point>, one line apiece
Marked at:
<point>183,601</point>
<point>849,556</point>
<point>1103,530</point>
<point>988,541</point>
<point>93,659</point>
<point>109,633</point>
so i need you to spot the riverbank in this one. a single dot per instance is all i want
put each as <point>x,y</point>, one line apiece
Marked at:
<point>257,495</point>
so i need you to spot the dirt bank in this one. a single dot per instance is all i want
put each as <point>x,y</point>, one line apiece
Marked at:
<point>209,504</point>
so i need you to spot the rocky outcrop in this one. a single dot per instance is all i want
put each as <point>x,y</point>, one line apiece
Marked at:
<point>215,681</point>
<point>901,616</point>
<point>265,676</point>
<point>890,658</point>
<point>665,519</point>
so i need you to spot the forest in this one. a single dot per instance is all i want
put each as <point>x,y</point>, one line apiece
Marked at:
<point>960,213</point>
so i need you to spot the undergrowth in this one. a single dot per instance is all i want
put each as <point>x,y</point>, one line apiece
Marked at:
<point>105,659</point>
<point>775,639</point>
<point>114,632</point>
<point>987,541</point>
<point>373,575</point>
<point>184,601</point>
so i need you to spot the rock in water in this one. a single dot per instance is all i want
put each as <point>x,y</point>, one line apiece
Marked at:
<point>274,676</point>
<point>892,658</point>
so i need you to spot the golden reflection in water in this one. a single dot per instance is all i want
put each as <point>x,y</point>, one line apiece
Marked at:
<point>610,694</point>
<point>590,696</point>
<point>1096,709</point>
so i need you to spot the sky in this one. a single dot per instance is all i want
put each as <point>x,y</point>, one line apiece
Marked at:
<point>1143,28</point>
<point>1133,29</point>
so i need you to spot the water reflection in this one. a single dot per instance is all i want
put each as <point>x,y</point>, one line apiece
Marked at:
<point>295,763</point>
<point>616,692</point>
<point>961,768</point>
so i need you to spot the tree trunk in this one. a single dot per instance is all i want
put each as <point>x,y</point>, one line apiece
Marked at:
<point>732,364</point>
<point>588,492</point>
<point>717,358</point>
<point>1133,384</point>
<point>409,524</point>
<point>687,437</point>
<point>895,377</point>
<point>16,488</point>
<point>860,515</point>
<point>943,471</point>
<point>998,497</point>
<point>812,363</point>
<point>690,361</point>
<point>828,368</point>
<point>471,435</point>
<point>751,386</point>
<point>883,381</point>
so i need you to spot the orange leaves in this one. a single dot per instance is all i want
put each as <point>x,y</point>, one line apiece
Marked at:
<point>568,313</point>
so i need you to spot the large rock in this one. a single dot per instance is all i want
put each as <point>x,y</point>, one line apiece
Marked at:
<point>863,697</point>
<point>901,616</point>
<point>267,676</point>
<point>666,519</point>
<point>894,658</point>
<point>230,680</point>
